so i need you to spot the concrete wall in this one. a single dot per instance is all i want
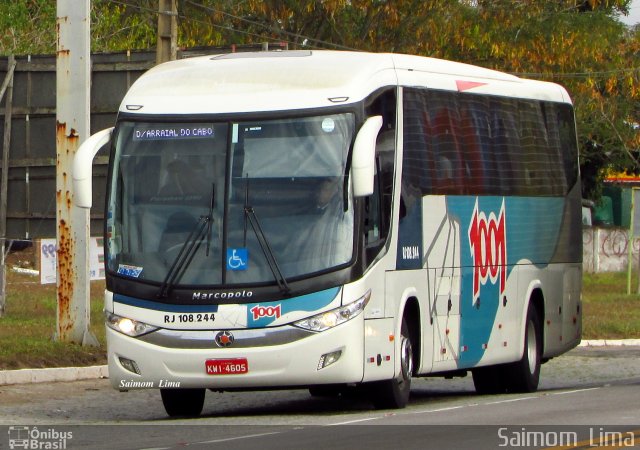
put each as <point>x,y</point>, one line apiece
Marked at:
<point>606,249</point>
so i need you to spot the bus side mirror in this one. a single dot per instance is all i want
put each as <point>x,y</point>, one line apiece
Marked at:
<point>82,164</point>
<point>363,160</point>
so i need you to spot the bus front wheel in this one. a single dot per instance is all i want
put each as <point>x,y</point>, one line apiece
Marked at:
<point>394,393</point>
<point>183,402</point>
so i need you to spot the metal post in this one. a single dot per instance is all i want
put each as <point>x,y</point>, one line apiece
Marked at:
<point>630,246</point>
<point>167,47</point>
<point>7,86</point>
<point>73,78</point>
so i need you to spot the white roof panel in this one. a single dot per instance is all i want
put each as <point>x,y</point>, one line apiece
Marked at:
<point>261,81</point>
<point>290,80</point>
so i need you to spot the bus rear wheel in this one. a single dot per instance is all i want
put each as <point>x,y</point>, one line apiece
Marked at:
<point>520,376</point>
<point>524,375</point>
<point>183,402</point>
<point>394,393</point>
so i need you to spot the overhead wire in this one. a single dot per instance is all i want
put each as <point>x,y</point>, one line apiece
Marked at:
<point>183,16</point>
<point>314,43</point>
<point>269,27</point>
<point>592,74</point>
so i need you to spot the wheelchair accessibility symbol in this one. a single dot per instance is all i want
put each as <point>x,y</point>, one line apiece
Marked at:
<point>237,258</point>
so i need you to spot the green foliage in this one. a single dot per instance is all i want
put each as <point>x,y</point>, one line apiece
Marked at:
<point>28,26</point>
<point>577,43</point>
<point>116,26</point>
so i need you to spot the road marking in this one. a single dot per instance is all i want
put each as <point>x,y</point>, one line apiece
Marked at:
<point>349,422</point>
<point>237,438</point>
<point>511,400</point>
<point>575,391</point>
<point>498,402</point>
<point>403,413</point>
<point>216,441</point>
<point>450,408</point>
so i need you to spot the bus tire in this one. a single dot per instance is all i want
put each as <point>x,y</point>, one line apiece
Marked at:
<point>394,393</point>
<point>524,375</point>
<point>183,402</point>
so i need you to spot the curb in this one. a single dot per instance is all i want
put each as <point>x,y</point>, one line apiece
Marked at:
<point>26,376</point>
<point>609,342</point>
<point>51,375</point>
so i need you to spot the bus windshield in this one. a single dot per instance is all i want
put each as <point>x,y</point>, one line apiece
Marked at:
<point>204,203</point>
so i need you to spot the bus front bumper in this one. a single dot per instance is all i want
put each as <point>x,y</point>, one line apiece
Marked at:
<point>254,358</point>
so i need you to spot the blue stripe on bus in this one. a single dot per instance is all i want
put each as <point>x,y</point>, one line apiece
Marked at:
<point>308,302</point>
<point>268,312</point>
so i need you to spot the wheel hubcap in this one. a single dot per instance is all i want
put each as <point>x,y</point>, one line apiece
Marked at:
<point>532,347</point>
<point>406,358</point>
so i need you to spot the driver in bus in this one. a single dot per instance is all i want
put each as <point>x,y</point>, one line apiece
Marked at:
<point>327,237</point>
<point>182,182</point>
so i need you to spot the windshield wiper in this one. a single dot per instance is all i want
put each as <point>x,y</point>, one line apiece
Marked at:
<point>185,256</point>
<point>210,217</point>
<point>250,216</point>
<point>189,249</point>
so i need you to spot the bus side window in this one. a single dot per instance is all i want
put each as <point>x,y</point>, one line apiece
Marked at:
<point>372,217</point>
<point>378,205</point>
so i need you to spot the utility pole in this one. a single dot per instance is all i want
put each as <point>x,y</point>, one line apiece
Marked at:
<point>167,47</point>
<point>7,86</point>
<point>73,81</point>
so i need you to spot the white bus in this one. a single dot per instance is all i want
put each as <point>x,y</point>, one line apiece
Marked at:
<point>331,220</point>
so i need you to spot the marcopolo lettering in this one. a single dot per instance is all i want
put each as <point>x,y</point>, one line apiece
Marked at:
<point>221,295</point>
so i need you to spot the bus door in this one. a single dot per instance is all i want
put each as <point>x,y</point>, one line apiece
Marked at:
<point>442,259</point>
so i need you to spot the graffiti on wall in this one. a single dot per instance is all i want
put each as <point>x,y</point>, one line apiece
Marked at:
<point>606,249</point>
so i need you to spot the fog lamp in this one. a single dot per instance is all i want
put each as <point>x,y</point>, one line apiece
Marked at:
<point>129,364</point>
<point>329,358</point>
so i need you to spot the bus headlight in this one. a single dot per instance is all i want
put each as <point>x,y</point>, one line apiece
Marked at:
<point>128,326</point>
<point>330,319</point>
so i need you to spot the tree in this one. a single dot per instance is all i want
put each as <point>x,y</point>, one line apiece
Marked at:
<point>577,43</point>
<point>28,27</point>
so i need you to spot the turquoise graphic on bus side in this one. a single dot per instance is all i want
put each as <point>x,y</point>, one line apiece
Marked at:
<point>497,233</point>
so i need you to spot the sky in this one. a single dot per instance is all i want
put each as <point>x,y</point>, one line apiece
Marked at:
<point>634,14</point>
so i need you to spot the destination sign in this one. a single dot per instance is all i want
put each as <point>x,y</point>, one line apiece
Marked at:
<point>171,132</point>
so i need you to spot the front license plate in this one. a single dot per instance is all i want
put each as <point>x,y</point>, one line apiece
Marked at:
<point>232,366</point>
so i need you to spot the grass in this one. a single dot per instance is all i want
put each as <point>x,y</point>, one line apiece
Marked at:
<point>608,312</point>
<point>29,324</point>
<point>28,327</point>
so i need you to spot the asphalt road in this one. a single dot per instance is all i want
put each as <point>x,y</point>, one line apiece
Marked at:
<point>587,395</point>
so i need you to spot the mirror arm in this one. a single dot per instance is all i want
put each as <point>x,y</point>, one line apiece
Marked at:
<point>82,165</point>
<point>363,160</point>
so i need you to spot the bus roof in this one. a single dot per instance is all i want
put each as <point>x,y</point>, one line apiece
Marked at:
<point>301,79</point>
